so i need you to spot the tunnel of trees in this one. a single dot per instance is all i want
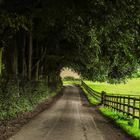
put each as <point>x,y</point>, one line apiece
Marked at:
<point>99,39</point>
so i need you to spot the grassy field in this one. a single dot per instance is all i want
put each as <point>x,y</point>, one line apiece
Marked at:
<point>132,87</point>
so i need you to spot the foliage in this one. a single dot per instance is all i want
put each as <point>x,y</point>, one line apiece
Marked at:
<point>17,98</point>
<point>136,75</point>
<point>69,78</point>
<point>125,122</point>
<point>78,79</point>
<point>99,39</point>
<point>109,55</point>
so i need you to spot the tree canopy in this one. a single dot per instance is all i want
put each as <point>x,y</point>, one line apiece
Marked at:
<point>99,39</point>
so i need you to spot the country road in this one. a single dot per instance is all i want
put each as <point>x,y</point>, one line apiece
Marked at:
<point>68,119</point>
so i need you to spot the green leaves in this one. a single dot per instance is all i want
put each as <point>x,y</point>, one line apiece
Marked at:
<point>30,95</point>
<point>99,39</point>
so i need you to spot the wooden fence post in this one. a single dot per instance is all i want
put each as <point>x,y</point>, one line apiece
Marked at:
<point>117,102</point>
<point>123,105</point>
<point>103,98</point>
<point>128,109</point>
<point>114,103</point>
<point>120,104</point>
<point>134,103</point>
<point>139,112</point>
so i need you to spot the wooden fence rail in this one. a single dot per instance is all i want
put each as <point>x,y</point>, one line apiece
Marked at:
<point>127,104</point>
<point>95,94</point>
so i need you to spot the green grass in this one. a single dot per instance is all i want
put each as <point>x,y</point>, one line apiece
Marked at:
<point>90,98</point>
<point>127,123</point>
<point>130,88</point>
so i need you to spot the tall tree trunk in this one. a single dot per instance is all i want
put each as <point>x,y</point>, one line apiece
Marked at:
<point>42,67</point>
<point>21,40</point>
<point>1,60</point>
<point>35,60</point>
<point>11,57</point>
<point>28,54</point>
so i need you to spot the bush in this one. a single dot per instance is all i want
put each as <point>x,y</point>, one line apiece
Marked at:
<point>136,75</point>
<point>17,97</point>
<point>69,78</point>
<point>77,79</point>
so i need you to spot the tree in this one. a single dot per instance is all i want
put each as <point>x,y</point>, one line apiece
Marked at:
<point>99,39</point>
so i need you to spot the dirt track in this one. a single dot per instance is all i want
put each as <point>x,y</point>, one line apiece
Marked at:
<point>72,117</point>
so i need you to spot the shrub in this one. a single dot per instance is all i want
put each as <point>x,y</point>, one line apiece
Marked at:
<point>69,78</point>
<point>17,97</point>
<point>136,75</point>
<point>77,79</point>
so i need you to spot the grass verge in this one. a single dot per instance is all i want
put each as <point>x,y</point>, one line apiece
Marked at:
<point>123,121</point>
<point>90,98</point>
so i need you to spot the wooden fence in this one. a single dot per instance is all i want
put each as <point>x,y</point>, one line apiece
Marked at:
<point>126,104</point>
<point>95,94</point>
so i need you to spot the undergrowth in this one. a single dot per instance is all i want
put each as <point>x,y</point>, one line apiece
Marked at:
<point>128,124</point>
<point>17,97</point>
